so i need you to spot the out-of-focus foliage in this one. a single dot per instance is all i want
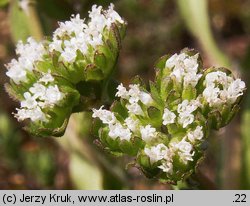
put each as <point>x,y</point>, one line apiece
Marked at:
<point>3,2</point>
<point>155,27</point>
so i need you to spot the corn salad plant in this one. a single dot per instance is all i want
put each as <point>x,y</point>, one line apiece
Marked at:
<point>164,126</point>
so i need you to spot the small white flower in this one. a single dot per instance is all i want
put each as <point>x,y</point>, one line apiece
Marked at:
<point>178,73</point>
<point>122,92</point>
<point>132,124</point>
<point>134,93</point>
<point>29,102</point>
<point>53,95</point>
<point>104,115</point>
<point>235,90</point>
<point>56,45</point>
<point>21,114</point>
<point>156,153</point>
<point>184,67</point>
<point>38,90</point>
<point>186,119</point>
<point>37,114</point>
<point>191,64</point>
<point>17,75</point>
<point>168,117</point>
<point>135,108</point>
<point>31,51</point>
<point>79,36</point>
<point>148,133</point>
<point>34,114</point>
<point>69,53</point>
<point>171,62</point>
<point>125,134</point>
<point>75,25</point>
<point>167,167</point>
<point>211,95</point>
<point>184,150</point>
<point>117,130</point>
<point>146,98</point>
<point>217,77</point>
<point>197,134</point>
<point>28,53</point>
<point>112,16</point>
<point>191,79</point>
<point>187,107</point>
<point>47,78</point>
<point>114,130</point>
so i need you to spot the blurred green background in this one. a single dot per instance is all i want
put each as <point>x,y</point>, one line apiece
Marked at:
<point>218,29</point>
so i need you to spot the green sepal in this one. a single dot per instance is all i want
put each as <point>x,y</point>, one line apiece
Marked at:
<point>92,72</point>
<point>166,86</point>
<point>215,119</point>
<point>119,109</point>
<point>155,93</point>
<point>111,144</point>
<point>101,61</point>
<point>228,113</point>
<point>189,92</point>
<point>46,132</point>
<point>138,80</point>
<point>13,94</point>
<point>114,39</point>
<point>146,167</point>
<point>160,63</point>
<point>128,148</point>
<point>155,116</point>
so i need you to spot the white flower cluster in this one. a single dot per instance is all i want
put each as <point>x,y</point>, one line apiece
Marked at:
<point>221,88</point>
<point>75,34</point>
<point>40,96</point>
<point>131,125</point>
<point>28,53</point>
<point>134,95</point>
<point>184,68</point>
<point>116,128</point>
<point>184,149</point>
<point>184,110</point>
<point>168,117</point>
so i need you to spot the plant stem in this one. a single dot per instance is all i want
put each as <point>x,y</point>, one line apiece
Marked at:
<point>73,143</point>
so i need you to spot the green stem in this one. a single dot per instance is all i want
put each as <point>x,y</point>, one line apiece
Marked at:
<point>34,22</point>
<point>73,143</point>
<point>195,15</point>
<point>245,129</point>
<point>24,23</point>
